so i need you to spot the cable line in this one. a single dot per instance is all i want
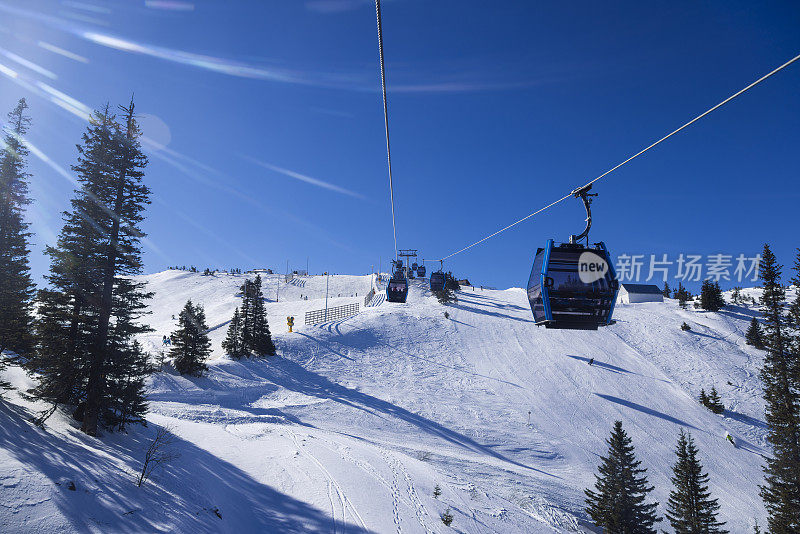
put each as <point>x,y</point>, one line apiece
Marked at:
<point>632,157</point>
<point>386,121</point>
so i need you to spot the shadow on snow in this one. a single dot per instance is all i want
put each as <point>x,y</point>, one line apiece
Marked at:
<point>182,497</point>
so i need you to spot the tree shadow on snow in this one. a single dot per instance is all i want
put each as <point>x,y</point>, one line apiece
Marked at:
<point>606,366</point>
<point>483,300</point>
<point>739,312</point>
<point>614,368</point>
<point>746,419</point>
<point>182,497</point>
<point>294,377</point>
<point>646,410</point>
<point>480,311</point>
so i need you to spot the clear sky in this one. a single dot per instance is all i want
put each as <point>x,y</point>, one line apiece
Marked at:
<point>266,125</point>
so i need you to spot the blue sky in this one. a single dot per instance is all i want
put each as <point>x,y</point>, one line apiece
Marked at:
<point>267,141</point>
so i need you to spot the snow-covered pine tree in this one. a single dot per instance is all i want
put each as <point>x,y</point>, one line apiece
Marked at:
<point>618,504</point>
<point>781,490</point>
<point>190,344</point>
<point>690,508</point>
<point>16,287</point>
<point>753,336</point>
<point>88,317</point>
<point>232,344</point>
<point>262,344</point>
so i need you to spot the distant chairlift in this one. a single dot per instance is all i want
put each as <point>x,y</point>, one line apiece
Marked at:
<point>397,288</point>
<point>573,286</point>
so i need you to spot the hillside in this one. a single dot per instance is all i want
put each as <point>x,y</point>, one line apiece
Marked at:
<point>352,425</point>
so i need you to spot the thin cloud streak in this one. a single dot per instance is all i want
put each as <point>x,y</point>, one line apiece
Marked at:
<point>361,81</point>
<point>335,6</point>
<point>169,5</point>
<point>28,64</point>
<point>83,6</point>
<point>303,178</point>
<point>66,53</point>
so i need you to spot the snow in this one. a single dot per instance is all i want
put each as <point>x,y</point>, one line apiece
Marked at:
<point>355,422</point>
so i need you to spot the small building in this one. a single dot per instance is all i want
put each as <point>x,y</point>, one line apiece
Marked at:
<point>633,293</point>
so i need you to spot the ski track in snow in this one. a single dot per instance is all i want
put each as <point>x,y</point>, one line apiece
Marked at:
<point>353,424</point>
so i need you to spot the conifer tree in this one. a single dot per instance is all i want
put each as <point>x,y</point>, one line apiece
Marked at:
<point>690,508</point>
<point>714,401</point>
<point>261,338</point>
<point>88,317</point>
<point>248,297</point>
<point>753,335</point>
<point>232,345</point>
<point>16,287</point>
<point>191,346</point>
<point>256,339</point>
<point>666,291</point>
<point>794,307</point>
<point>703,397</point>
<point>711,298</point>
<point>618,504</point>
<point>781,490</point>
<point>682,295</point>
<point>450,282</point>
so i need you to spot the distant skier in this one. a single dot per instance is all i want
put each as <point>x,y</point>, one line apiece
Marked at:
<point>591,361</point>
<point>730,438</point>
<point>166,341</point>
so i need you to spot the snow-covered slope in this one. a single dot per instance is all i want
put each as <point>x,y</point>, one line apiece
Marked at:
<point>355,422</point>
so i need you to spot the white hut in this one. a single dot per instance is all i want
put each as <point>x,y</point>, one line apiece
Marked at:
<point>633,293</point>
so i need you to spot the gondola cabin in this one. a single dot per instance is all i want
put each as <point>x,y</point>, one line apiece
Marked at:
<point>437,281</point>
<point>397,288</point>
<point>421,271</point>
<point>572,286</point>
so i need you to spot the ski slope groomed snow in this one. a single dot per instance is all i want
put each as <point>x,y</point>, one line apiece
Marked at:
<point>355,422</point>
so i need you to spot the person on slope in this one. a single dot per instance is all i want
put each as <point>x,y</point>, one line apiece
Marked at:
<point>730,438</point>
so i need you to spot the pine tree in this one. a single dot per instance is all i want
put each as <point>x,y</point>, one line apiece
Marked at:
<point>191,346</point>
<point>261,338</point>
<point>88,318</point>
<point>753,336</point>
<point>248,297</point>
<point>682,295</point>
<point>232,344</point>
<point>703,398</point>
<point>16,287</point>
<point>794,307</point>
<point>666,291</point>
<point>445,296</point>
<point>690,508</point>
<point>450,282</point>
<point>711,298</point>
<point>256,339</point>
<point>714,401</point>
<point>618,505</point>
<point>781,491</point>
